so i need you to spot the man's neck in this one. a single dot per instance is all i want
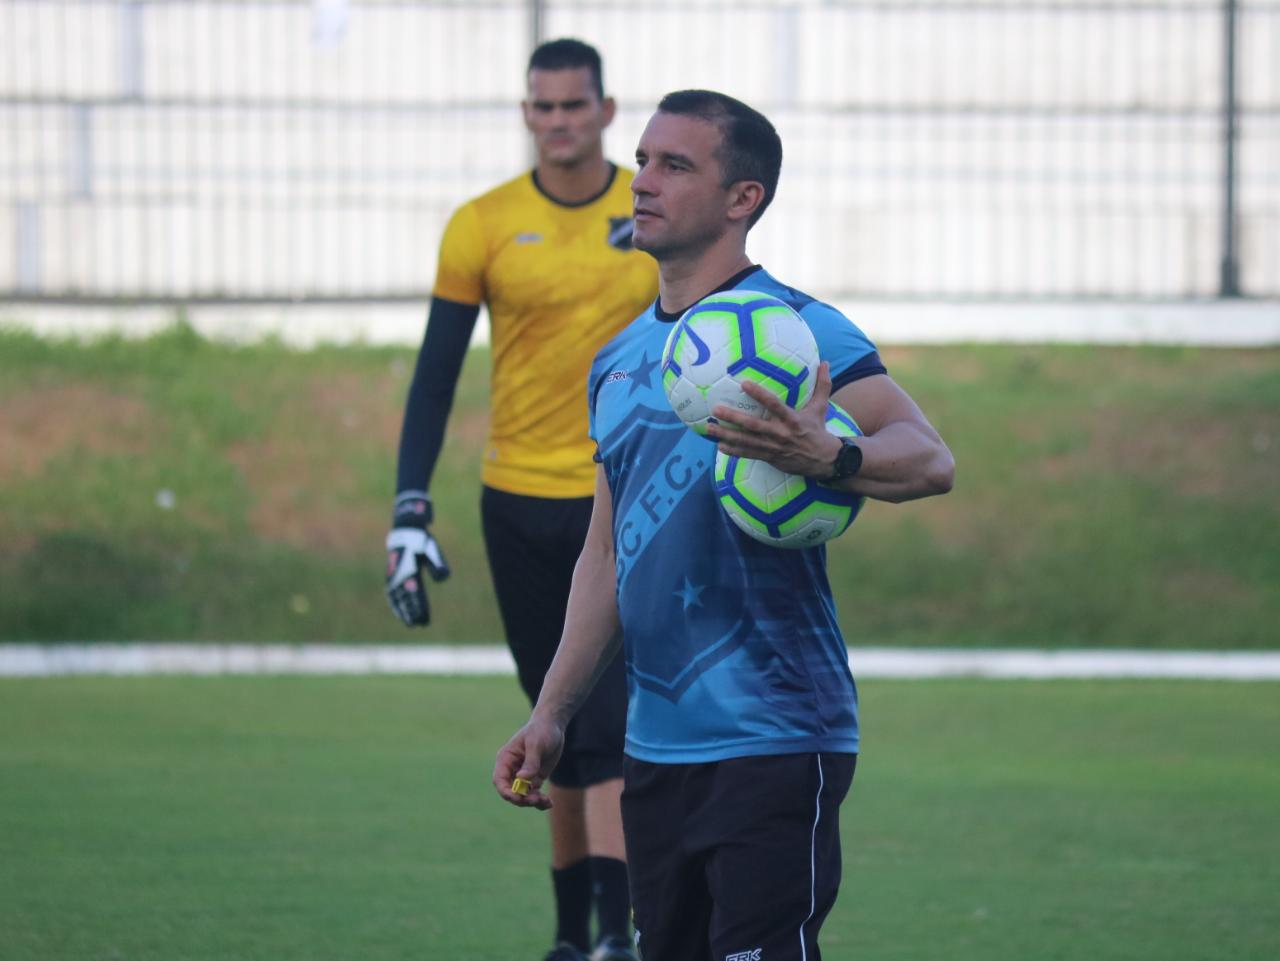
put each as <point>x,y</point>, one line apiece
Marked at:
<point>573,185</point>
<point>683,281</point>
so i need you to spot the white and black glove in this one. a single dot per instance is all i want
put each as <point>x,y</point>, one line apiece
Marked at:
<point>411,550</point>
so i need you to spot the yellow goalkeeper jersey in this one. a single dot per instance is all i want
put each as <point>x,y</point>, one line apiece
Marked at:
<point>559,280</point>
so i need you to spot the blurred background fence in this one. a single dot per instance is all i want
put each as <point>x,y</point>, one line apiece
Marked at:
<point>286,150</point>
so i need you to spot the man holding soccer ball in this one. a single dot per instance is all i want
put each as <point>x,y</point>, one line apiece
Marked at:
<point>550,253</point>
<point>742,730</point>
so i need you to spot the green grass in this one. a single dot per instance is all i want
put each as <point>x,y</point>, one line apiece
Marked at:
<point>1105,497</point>
<point>308,819</point>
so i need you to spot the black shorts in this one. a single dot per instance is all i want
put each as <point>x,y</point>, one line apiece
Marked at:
<point>736,859</point>
<point>533,544</point>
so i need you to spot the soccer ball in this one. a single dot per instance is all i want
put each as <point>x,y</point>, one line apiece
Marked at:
<point>732,336</point>
<point>786,510</point>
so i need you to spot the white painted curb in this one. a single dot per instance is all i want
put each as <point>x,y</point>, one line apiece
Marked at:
<point>43,660</point>
<point>1210,323</point>
<point>1203,323</point>
<point>51,660</point>
<point>1032,664</point>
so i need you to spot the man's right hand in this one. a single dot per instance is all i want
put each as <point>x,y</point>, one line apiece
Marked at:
<point>530,755</point>
<point>411,552</point>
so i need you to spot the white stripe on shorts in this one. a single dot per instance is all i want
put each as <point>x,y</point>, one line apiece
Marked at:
<point>813,858</point>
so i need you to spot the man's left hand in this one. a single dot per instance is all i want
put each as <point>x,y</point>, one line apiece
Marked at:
<point>794,441</point>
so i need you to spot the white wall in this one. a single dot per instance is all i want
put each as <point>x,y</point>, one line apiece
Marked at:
<point>288,149</point>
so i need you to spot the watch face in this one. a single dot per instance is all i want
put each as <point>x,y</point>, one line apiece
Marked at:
<point>849,459</point>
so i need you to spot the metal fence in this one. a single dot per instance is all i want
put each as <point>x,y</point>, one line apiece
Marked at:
<point>189,150</point>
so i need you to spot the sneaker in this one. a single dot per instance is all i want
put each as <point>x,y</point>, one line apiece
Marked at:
<point>614,947</point>
<point>564,951</point>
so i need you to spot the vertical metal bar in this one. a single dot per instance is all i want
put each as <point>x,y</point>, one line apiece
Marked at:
<point>206,95</point>
<point>80,152</point>
<point>537,25</point>
<point>537,22</point>
<point>1229,282</point>
<point>79,157</point>
<point>200,162</point>
<point>12,179</point>
<point>786,24</point>
<point>116,139</point>
<point>131,59</point>
<point>84,220</point>
<point>29,241</point>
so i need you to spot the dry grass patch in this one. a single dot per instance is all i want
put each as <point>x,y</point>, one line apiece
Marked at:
<point>301,497</point>
<point>961,367</point>
<point>39,426</point>
<point>1199,456</point>
<point>301,474</point>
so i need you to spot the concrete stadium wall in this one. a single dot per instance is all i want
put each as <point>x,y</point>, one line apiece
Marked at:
<point>246,148</point>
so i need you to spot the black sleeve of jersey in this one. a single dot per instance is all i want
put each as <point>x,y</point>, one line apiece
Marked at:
<point>868,365</point>
<point>444,346</point>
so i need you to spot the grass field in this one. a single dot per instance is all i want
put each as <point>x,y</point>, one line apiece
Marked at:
<point>176,489</point>
<point>292,819</point>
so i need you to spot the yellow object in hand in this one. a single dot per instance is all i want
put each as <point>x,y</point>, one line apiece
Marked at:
<point>520,786</point>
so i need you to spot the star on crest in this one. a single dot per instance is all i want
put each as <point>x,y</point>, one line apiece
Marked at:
<point>690,595</point>
<point>641,376</point>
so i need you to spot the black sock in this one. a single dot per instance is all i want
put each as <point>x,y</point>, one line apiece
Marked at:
<point>573,903</point>
<point>612,896</point>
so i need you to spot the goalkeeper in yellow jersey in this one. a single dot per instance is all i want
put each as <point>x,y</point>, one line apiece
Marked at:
<point>550,254</point>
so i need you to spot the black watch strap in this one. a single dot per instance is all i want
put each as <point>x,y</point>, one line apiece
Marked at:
<point>848,461</point>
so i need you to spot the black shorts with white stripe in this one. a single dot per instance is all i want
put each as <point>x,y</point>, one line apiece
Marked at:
<point>533,545</point>
<point>734,860</point>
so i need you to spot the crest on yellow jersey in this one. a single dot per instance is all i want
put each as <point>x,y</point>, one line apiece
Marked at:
<point>620,231</point>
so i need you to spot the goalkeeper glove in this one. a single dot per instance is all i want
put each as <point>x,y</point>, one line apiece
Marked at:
<point>410,550</point>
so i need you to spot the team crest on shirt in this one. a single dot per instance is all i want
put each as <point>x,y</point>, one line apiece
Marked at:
<point>620,231</point>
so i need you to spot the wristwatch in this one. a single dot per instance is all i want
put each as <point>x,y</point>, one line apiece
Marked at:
<point>847,463</point>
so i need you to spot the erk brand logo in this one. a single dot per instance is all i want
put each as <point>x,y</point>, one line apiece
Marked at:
<point>744,955</point>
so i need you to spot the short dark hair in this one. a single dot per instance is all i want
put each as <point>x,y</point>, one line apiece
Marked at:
<point>750,147</point>
<point>569,54</point>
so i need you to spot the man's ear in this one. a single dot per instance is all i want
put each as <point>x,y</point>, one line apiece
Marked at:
<point>609,109</point>
<point>745,198</point>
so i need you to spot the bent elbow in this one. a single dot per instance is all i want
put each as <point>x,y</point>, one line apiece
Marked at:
<point>942,476</point>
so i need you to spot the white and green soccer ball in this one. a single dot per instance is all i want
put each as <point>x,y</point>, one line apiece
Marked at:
<point>733,336</point>
<point>786,510</point>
